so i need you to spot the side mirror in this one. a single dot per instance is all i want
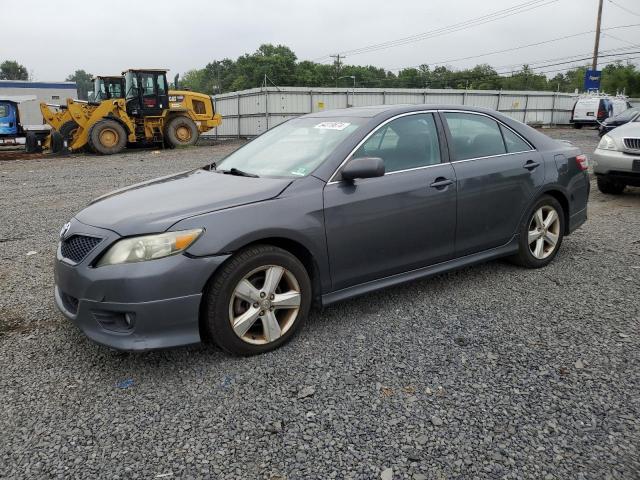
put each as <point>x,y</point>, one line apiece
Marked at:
<point>366,167</point>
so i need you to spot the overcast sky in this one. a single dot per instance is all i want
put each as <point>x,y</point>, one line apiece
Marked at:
<point>54,38</point>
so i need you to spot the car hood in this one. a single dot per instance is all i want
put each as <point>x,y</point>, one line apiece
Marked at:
<point>631,129</point>
<point>155,205</point>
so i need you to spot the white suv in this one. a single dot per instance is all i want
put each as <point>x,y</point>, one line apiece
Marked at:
<point>617,159</point>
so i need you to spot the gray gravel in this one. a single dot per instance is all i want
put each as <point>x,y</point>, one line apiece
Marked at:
<point>489,372</point>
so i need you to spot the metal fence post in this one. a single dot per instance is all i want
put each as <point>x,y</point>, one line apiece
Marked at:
<point>310,101</point>
<point>266,108</point>
<point>238,115</point>
<point>464,98</point>
<point>553,108</point>
<point>384,97</point>
<point>526,105</point>
<point>215,110</point>
<point>499,98</point>
<point>424,97</point>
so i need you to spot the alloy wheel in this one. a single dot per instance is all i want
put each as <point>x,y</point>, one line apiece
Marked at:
<point>264,304</point>
<point>543,232</point>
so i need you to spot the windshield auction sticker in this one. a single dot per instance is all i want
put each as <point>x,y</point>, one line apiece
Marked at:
<point>332,125</point>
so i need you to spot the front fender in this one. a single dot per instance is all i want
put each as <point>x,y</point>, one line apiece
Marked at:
<point>297,215</point>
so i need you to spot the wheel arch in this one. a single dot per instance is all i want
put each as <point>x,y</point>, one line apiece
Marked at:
<point>557,193</point>
<point>119,120</point>
<point>295,248</point>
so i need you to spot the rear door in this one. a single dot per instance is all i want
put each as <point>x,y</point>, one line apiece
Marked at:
<point>377,227</point>
<point>498,174</point>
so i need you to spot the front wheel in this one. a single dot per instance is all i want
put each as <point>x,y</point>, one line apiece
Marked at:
<point>107,137</point>
<point>541,233</point>
<point>257,301</point>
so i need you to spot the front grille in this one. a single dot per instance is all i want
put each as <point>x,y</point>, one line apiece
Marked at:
<point>77,247</point>
<point>632,143</point>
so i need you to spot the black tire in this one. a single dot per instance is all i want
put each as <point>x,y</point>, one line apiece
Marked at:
<point>57,143</point>
<point>107,137</point>
<point>216,319</point>
<point>181,132</point>
<point>525,256</point>
<point>68,130</point>
<point>608,186</point>
<point>577,126</point>
<point>31,144</point>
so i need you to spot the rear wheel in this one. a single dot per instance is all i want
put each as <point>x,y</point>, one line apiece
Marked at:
<point>31,143</point>
<point>608,186</point>
<point>107,137</point>
<point>257,301</point>
<point>541,233</point>
<point>181,132</point>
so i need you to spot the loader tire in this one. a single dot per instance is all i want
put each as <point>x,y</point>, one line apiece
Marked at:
<point>181,132</point>
<point>107,137</point>
<point>68,131</point>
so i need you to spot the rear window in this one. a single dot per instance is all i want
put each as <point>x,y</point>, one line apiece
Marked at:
<point>474,136</point>
<point>4,111</point>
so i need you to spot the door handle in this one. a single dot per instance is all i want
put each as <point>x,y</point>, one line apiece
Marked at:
<point>531,165</point>
<point>441,182</point>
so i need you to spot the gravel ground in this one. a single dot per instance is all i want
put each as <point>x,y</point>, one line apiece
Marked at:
<point>489,372</point>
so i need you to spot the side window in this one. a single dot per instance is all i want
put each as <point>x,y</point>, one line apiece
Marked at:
<point>147,84</point>
<point>474,136</point>
<point>404,143</point>
<point>513,142</point>
<point>162,87</point>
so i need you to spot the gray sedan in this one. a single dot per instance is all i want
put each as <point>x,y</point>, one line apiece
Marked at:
<point>319,209</point>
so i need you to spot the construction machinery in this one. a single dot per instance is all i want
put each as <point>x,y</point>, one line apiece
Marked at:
<point>149,113</point>
<point>105,87</point>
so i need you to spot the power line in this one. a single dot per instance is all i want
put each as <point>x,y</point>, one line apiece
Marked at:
<point>624,8</point>
<point>497,15</point>
<point>520,47</point>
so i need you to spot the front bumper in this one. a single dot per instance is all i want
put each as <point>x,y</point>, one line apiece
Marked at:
<point>137,306</point>
<point>621,166</point>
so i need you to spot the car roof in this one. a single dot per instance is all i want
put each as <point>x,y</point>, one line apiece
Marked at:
<point>391,110</point>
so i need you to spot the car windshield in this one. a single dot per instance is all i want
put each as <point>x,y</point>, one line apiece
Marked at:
<point>293,149</point>
<point>627,115</point>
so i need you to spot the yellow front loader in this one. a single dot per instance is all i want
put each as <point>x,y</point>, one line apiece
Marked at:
<point>148,114</point>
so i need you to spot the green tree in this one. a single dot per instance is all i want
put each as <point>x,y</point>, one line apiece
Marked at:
<point>12,70</point>
<point>83,83</point>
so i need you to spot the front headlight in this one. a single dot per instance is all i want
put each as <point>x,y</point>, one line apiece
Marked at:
<point>607,143</point>
<point>149,247</point>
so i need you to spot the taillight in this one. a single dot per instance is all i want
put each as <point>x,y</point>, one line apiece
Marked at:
<point>582,161</point>
<point>602,113</point>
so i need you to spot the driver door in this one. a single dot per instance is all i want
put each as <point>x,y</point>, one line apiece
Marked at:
<point>406,219</point>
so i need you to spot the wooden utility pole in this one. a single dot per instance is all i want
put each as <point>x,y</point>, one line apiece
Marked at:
<point>596,46</point>
<point>337,58</point>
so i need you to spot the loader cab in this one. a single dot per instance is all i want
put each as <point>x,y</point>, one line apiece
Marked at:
<point>147,92</point>
<point>108,87</point>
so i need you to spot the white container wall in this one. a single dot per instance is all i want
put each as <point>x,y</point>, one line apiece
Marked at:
<point>264,108</point>
<point>48,92</point>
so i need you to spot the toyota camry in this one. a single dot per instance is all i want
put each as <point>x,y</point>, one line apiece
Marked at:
<point>319,209</point>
